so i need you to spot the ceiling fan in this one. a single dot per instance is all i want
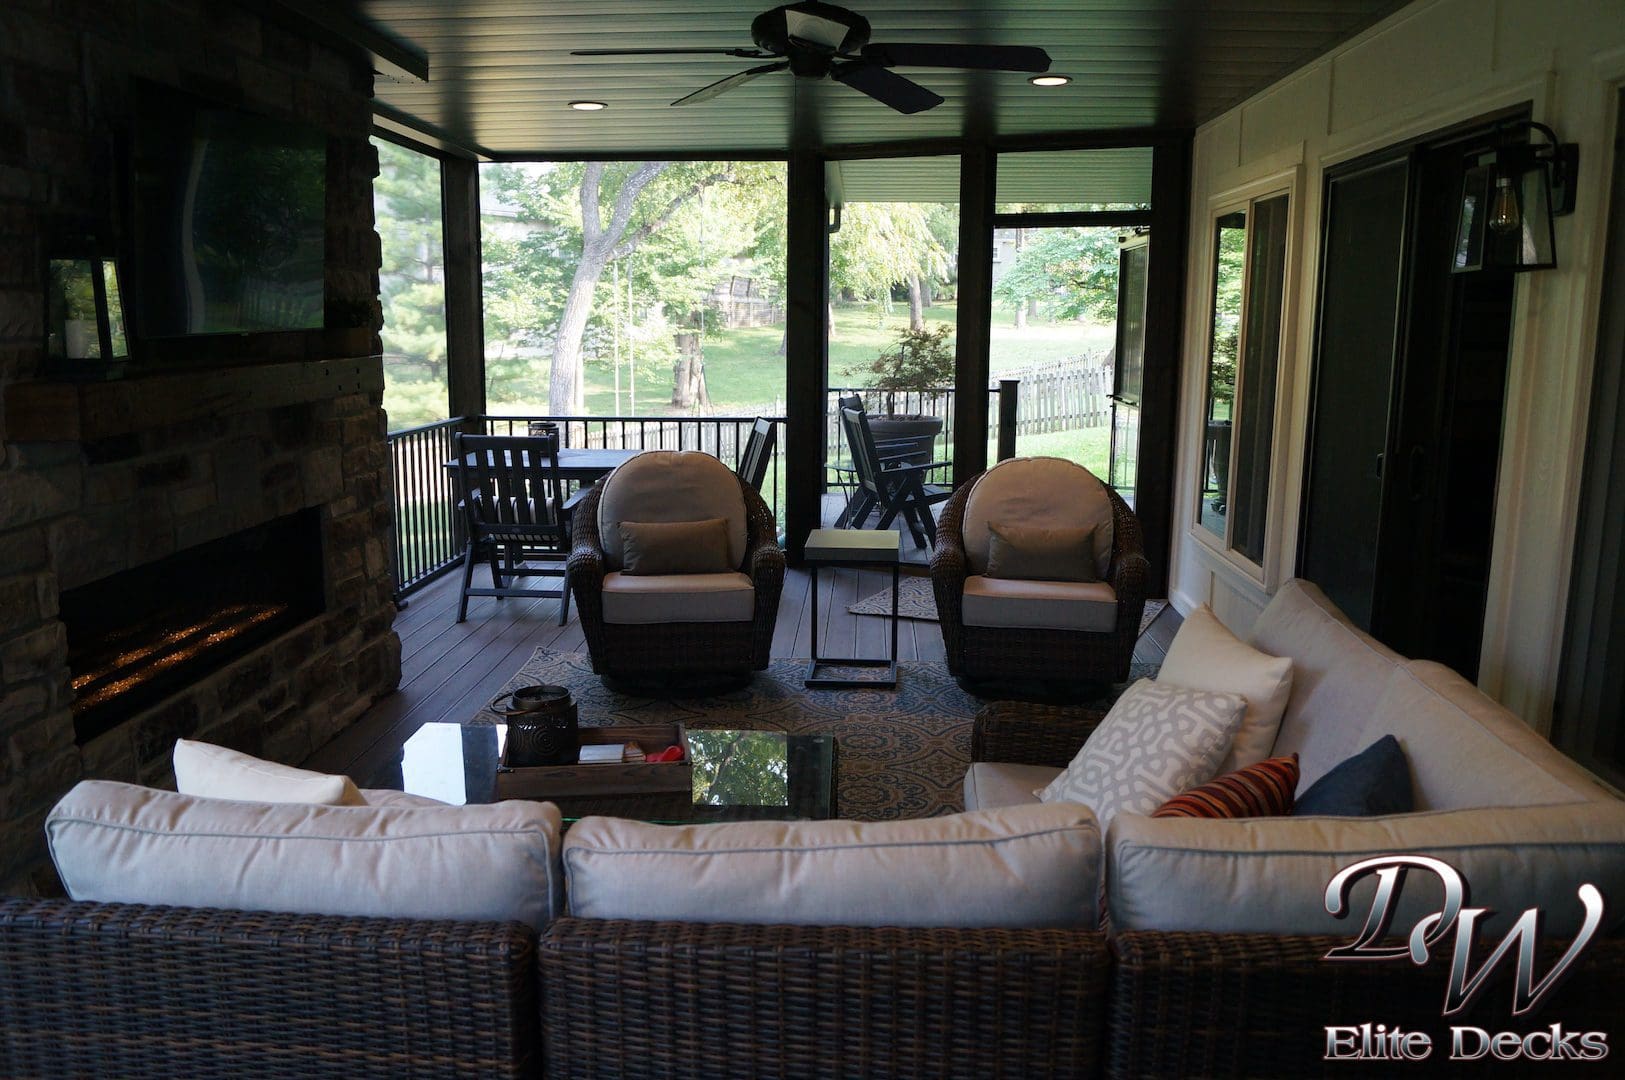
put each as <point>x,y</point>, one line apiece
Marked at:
<point>813,39</point>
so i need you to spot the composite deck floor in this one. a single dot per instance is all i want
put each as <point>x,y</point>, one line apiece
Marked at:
<point>449,669</point>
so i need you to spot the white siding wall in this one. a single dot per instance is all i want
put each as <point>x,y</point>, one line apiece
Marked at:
<point>1433,64</point>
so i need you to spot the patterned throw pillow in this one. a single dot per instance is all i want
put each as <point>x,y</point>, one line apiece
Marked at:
<point>1156,742</point>
<point>1261,790</point>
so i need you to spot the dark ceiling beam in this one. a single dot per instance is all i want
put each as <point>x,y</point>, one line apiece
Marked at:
<point>410,133</point>
<point>335,24</point>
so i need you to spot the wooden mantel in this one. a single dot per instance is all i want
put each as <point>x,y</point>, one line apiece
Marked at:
<point>84,412</point>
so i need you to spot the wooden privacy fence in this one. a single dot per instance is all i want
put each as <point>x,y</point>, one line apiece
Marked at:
<point>1062,395</point>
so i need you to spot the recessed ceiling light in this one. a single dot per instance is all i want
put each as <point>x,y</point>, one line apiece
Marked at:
<point>588,106</point>
<point>1050,80</point>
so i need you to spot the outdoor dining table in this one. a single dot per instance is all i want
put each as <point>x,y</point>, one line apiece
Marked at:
<point>585,466</point>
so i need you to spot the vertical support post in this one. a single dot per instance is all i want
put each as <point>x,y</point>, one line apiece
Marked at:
<point>1008,389</point>
<point>465,306</point>
<point>977,164</point>
<point>806,333</point>
<point>1164,313</point>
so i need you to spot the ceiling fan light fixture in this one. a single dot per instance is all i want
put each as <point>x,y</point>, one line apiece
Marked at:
<point>589,106</point>
<point>1050,80</point>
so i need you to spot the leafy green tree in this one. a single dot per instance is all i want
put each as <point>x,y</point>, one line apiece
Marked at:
<point>880,245</point>
<point>1069,273</point>
<point>406,210</point>
<point>672,230</point>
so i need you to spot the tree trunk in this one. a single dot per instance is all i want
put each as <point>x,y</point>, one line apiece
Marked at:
<point>1021,316</point>
<point>683,370</point>
<point>564,388</point>
<point>916,304</point>
<point>829,321</point>
<point>928,295</point>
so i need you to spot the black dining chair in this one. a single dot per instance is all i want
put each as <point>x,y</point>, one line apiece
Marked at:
<point>515,514</point>
<point>758,455</point>
<point>893,487</point>
<point>889,452</point>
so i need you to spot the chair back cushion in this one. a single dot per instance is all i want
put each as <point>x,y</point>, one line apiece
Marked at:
<point>670,485</point>
<point>1269,874</point>
<point>1026,866</point>
<point>1466,750</point>
<point>1338,673</point>
<point>1041,493</point>
<point>120,843</point>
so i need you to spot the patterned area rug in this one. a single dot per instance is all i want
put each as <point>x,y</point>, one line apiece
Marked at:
<point>903,752</point>
<point>915,601</point>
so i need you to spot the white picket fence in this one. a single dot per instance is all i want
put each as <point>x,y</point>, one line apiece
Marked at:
<point>1062,395</point>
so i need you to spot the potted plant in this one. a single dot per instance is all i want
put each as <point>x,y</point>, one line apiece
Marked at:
<point>918,362</point>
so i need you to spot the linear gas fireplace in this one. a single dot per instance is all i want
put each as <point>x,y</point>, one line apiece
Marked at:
<point>142,635</point>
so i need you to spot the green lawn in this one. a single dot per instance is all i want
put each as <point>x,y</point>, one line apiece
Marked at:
<point>744,369</point>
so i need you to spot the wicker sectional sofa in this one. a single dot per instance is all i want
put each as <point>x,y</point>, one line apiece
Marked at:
<point>148,990</point>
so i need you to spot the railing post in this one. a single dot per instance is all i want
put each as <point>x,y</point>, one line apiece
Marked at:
<point>1008,390</point>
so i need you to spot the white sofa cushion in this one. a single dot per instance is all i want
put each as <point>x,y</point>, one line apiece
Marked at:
<point>992,784</point>
<point>122,843</point>
<point>1269,875</point>
<point>1465,750</point>
<point>1205,655</point>
<point>1037,492</point>
<point>215,772</point>
<point>1039,605</point>
<point>1031,866</point>
<point>670,485</point>
<point>1156,742</point>
<point>678,598</point>
<point>1338,673</point>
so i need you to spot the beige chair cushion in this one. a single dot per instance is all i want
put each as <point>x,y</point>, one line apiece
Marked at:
<point>1029,866</point>
<point>1338,673</point>
<point>678,598</point>
<point>1038,492</point>
<point>670,485</point>
<point>992,784</point>
<point>1039,605</point>
<point>1467,751</point>
<point>214,772</point>
<point>121,843</point>
<point>1205,655</point>
<point>1269,875</point>
<point>676,547</point>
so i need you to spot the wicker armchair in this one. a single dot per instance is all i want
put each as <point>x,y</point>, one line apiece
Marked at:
<point>988,653</point>
<point>660,652</point>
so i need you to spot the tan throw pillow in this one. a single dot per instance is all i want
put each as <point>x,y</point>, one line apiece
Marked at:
<point>675,547</point>
<point>1041,554</point>
<point>214,772</point>
<point>1205,655</point>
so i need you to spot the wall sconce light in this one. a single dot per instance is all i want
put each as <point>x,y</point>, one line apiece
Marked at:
<point>1508,201</point>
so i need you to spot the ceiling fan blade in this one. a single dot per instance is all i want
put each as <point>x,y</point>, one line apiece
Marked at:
<point>886,87</point>
<point>974,57</point>
<point>748,54</point>
<point>722,86</point>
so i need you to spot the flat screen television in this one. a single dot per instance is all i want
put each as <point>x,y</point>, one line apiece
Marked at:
<point>229,218</point>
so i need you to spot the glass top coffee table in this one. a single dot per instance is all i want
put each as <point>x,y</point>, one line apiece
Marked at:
<point>738,776</point>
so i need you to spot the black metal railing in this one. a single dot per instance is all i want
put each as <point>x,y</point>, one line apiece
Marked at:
<point>429,535</point>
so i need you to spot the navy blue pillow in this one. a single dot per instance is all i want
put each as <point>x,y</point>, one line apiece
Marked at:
<point>1375,781</point>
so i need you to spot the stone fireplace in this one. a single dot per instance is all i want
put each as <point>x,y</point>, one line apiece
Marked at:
<point>200,549</point>
<point>147,633</point>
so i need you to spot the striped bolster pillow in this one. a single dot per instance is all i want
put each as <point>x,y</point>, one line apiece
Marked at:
<point>1262,790</point>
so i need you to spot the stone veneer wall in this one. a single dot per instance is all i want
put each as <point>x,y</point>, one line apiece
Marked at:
<point>161,479</point>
